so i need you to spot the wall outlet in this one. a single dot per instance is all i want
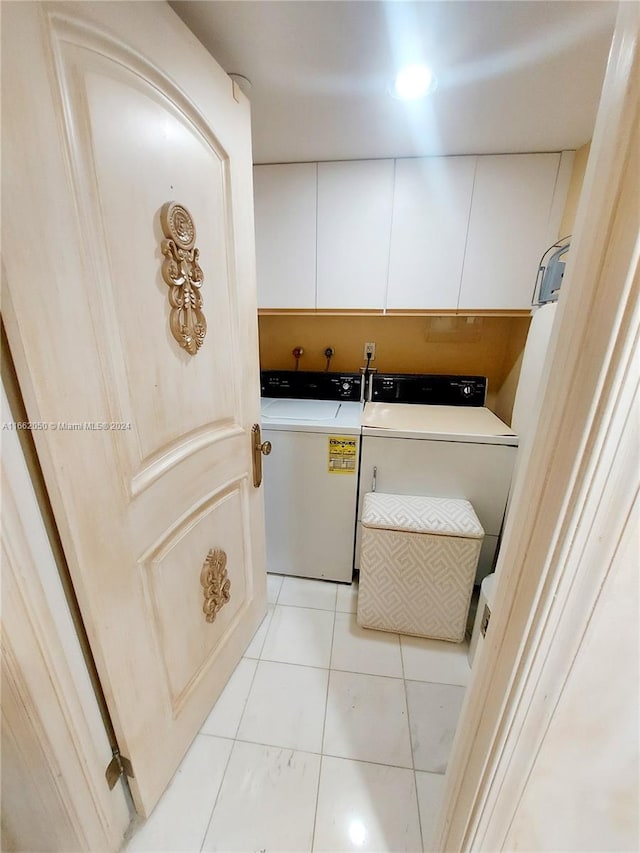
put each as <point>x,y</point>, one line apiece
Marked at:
<point>370,350</point>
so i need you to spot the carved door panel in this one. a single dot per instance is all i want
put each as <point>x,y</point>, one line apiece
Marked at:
<point>138,358</point>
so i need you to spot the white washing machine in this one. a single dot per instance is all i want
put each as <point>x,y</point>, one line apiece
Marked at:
<point>432,435</point>
<point>311,476</point>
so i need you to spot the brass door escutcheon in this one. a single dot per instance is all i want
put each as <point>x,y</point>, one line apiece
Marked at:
<point>183,276</point>
<point>216,586</point>
<point>260,447</point>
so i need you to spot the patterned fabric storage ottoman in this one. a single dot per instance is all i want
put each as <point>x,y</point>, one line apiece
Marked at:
<point>417,564</point>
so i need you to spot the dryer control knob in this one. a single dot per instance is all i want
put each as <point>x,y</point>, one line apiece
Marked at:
<point>467,390</point>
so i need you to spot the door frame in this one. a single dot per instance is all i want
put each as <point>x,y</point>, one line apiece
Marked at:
<point>53,777</point>
<point>554,558</point>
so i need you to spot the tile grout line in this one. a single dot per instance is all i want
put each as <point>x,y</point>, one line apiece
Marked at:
<point>406,702</point>
<point>315,814</point>
<point>279,590</point>
<point>358,671</point>
<point>307,607</point>
<point>323,754</point>
<point>324,725</point>
<point>234,739</point>
<point>217,796</point>
<point>244,704</point>
<point>369,761</point>
<point>346,671</point>
<point>265,633</point>
<point>413,758</point>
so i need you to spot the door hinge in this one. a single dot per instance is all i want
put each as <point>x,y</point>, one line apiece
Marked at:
<point>486,616</point>
<point>117,767</point>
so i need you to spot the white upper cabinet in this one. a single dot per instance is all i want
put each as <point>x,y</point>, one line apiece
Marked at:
<point>424,234</point>
<point>431,207</point>
<point>285,220</point>
<point>510,228</point>
<point>354,226</point>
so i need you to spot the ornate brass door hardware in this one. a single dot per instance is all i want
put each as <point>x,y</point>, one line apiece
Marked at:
<point>183,275</point>
<point>260,447</point>
<point>215,583</point>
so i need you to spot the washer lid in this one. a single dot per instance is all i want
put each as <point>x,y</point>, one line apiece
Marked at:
<point>301,410</point>
<point>319,416</point>
<point>446,423</point>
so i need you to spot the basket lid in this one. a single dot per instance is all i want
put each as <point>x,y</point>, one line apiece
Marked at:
<point>417,514</point>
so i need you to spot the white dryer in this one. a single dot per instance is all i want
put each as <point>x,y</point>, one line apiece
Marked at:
<point>311,476</point>
<point>432,435</point>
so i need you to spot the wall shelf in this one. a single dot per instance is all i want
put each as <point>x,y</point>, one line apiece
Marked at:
<point>392,312</point>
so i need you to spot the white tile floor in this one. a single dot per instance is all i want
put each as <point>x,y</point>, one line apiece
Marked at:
<point>328,737</point>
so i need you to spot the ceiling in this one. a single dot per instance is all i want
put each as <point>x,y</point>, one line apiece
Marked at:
<point>512,76</point>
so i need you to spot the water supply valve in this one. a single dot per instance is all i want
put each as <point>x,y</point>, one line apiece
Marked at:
<point>297,352</point>
<point>328,354</point>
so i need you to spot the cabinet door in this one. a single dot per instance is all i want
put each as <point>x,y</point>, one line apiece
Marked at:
<point>431,206</point>
<point>354,225</point>
<point>509,229</point>
<point>285,217</point>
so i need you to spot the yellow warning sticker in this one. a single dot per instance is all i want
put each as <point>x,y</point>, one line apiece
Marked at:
<point>342,454</point>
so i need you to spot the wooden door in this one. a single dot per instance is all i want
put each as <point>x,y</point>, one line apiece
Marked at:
<point>109,112</point>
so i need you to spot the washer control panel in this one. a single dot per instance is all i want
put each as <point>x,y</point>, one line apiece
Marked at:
<point>429,389</point>
<point>311,385</point>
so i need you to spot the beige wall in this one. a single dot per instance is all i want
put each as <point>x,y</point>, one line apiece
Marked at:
<point>575,188</point>
<point>506,392</point>
<point>487,346</point>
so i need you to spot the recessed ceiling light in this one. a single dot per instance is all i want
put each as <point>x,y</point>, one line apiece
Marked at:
<point>357,833</point>
<point>413,82</point>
